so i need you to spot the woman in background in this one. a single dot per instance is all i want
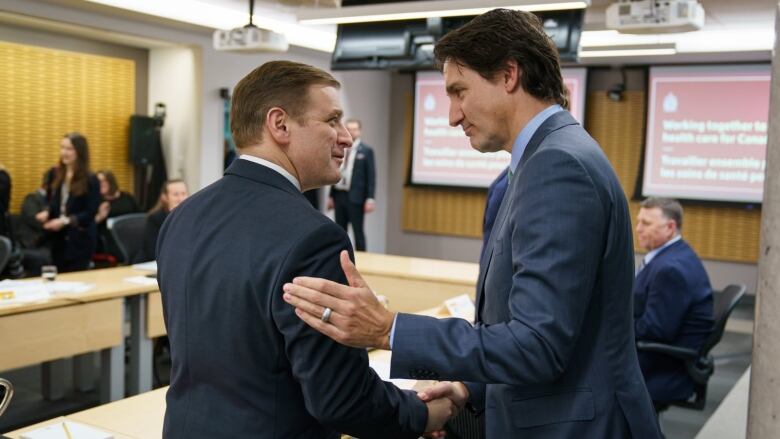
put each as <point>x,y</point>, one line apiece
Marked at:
<point>75,197</point>
<point>115,201</point>
<point>172,194</point>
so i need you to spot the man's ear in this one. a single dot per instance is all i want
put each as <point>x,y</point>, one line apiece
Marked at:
<point>277,124</point>
<point>511,75</point>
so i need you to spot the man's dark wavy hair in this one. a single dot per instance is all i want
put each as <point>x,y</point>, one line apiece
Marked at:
<point>489,41</point>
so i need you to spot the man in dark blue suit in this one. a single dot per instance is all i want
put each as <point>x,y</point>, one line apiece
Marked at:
<point>244,366</point>
<point>552,353</point>
<point>672,299</point>
<point>353,195</point>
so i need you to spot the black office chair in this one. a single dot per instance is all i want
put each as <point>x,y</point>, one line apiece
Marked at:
<point>6,248</point>
<point>700,364</point>
<point>127,232</point>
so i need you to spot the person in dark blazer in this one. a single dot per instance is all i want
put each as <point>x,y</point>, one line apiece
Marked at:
<point>672,299</point>
<point>74,201</point>
<point>495,195</point>
<point>243,365</point>
<point>353,195</point>
<point>552,353</point>
<point>172,193</point>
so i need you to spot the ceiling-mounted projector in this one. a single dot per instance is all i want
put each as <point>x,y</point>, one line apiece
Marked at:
<point>250,38</point>
<point>655,16</point>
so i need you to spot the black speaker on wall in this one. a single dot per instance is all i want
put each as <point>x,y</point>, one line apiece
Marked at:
<point>144,138</point>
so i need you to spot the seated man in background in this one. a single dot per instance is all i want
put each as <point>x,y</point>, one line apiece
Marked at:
<point>672,299</point>
<point>172,194</point>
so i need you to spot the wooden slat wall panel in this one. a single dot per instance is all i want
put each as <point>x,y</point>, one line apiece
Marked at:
<point>721,233</point>
<point>46,93</point>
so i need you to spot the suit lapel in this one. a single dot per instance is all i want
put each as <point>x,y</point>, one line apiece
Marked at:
<point>498,226</point>
<point>554,122</point>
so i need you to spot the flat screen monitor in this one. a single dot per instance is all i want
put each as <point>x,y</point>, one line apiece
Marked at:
<point>443,156</point>
<point>707,133</point>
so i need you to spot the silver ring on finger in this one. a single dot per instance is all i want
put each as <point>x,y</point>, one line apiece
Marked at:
<point>326,314</point>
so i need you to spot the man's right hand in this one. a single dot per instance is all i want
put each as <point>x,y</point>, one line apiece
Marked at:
<point>455,391</point>
<point>330,203</point>
<point>439,412</point>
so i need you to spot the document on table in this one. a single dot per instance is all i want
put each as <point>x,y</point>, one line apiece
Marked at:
<point>67,430</point>
<point>141,280</point>
<point>14,292</point>
<point>381,365</point>
<point>149,266</point>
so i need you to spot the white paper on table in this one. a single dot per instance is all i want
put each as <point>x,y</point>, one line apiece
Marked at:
<point>74,430</point>
<point>382,368</point>
<point>142,280</point>
<point>25,291</point>
<point>68,287</point>
<point>461,307</point>
<point>149,266</point>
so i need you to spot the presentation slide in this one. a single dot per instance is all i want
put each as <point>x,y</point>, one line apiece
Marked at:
<point>707,133</point>
<point>442,155</point>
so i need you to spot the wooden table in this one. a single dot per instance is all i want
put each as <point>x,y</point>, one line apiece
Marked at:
<point>411,284</point>
<point>71,324</point>
<point>136,417</point>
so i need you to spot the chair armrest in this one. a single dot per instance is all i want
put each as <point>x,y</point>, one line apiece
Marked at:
<point>685,354</point>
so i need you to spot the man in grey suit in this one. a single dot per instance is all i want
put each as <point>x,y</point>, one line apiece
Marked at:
<point>552,352</point>
<point>243,364</point>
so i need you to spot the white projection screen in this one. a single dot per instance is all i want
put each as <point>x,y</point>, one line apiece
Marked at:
<point>442,155</point>
<point>707,133</point>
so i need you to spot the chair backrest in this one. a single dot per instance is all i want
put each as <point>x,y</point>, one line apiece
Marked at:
<point>723,304</point>
<point>128,233</point>
<point>5,252</point>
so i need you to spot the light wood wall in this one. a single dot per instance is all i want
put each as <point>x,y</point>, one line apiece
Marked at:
<point>715,232</point>
<point>46,93</point>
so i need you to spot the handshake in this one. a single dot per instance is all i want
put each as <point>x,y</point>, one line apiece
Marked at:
<point>444,400</point>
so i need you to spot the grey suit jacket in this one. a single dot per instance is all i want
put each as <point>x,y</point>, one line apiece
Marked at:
<point>244,365</point>
<point>552,353</point>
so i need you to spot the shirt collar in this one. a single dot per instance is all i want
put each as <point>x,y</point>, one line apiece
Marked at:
<point>356,142</point>
<point>273,166</point>
<point>653,253</point>
<point>521,142</point>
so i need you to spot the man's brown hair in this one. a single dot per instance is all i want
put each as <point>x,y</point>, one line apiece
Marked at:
<point>489,41</point>
<point>283,84</point>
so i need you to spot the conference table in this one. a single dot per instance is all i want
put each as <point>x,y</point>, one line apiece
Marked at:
<point>76,323</point>
<point>72,324</point>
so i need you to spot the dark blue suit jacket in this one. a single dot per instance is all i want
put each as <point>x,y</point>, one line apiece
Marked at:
<point>495,194</point>
<point>673,305</point>
<point>244,365</point>
<point>363,182</point>
<point>77,241</point>
<point>553,353</point>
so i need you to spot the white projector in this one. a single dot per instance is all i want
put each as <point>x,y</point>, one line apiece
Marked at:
<point>655,16</point>
<point>249,39</point>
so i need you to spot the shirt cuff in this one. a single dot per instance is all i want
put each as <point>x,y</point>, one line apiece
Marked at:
<point>392,331</point>
<point>370,200</point>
